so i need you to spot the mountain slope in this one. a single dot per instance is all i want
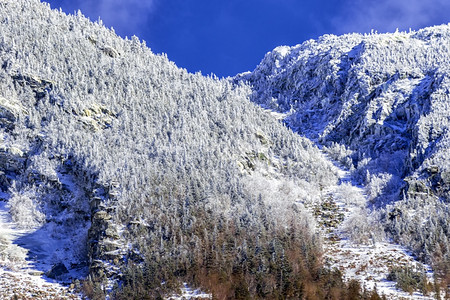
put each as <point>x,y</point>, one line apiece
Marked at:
<point>380,105</point>
<point>145,175</point>
<point>142,179</point>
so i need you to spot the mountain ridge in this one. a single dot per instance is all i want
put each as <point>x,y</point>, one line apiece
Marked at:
<point>148,177</point>
<point>379,104</point>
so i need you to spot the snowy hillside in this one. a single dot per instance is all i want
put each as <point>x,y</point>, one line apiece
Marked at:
<point>380,106</point>
<point>123,176</point>
<point>133,176</point>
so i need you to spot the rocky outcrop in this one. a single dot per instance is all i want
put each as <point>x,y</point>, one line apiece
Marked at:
<point>110,51</point>
<point>9,112</point>
<point>12,159</point>
<point>96,117</point>
<point>40,87</point>
<point>57,271</point>
<point>105,245</point>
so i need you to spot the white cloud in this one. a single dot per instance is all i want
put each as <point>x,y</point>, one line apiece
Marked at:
<point>130,15</point>
<point>387,15</point>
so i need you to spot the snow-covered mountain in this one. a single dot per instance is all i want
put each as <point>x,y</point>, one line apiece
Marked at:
<point>380,105</point>
<point>123,176</point>
<point>135,175</point>
<point>382,96</point>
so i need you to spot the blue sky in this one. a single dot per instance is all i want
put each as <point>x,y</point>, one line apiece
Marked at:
<point>226,37</point>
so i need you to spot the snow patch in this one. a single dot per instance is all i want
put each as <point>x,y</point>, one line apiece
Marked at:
<point>189,293</point>
<point>24,253</point>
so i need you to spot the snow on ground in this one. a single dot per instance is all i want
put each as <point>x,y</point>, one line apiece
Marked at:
<point>25,284</point>
<point>189,293</point>
<point>367,260</point>
<point>21,265</point>
<point>369,264</point>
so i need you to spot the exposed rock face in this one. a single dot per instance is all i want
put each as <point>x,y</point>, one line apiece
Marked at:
<point>57,271</point>
<point>386,97</point>
<point>106,248</point>
<point>97,117</point>
<point>12,159</point>
<point>9,112</point>
<point>110,51</point>
<point>40,87</point>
